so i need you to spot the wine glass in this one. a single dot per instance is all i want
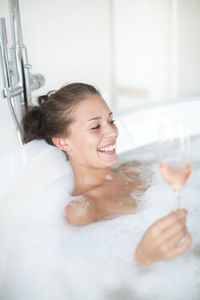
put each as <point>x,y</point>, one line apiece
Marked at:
<point>174,156</point>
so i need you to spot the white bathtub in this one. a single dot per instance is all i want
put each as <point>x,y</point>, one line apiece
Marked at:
<point>143,122</point>
<point>27,171</point>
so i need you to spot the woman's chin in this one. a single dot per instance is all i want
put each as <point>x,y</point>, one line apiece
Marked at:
<point>109,162</point>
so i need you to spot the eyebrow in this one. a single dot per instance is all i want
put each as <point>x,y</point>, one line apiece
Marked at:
<point>97,118</point>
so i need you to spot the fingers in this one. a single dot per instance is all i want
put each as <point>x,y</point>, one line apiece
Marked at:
<point>169,220</point>
<point>181,248</point>
<point>176,229</point>
<point>160,241</point>
<point>175,232</point>
<point>181,213</point>
<point>176,238</point>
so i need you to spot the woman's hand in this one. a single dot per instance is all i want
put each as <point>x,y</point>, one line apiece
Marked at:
<point>161,240</point>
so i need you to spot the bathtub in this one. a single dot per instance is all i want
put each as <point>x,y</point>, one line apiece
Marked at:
<point>142,123</point>
<point>29,170</point>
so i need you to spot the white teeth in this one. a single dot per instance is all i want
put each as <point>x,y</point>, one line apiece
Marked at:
<point>107,149</point>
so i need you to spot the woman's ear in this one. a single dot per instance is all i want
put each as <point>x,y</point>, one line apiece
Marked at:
<point>61,143</point>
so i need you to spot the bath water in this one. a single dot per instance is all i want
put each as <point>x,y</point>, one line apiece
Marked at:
<point>52,259</point>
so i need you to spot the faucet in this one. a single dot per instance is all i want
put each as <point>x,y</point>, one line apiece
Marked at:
<point>17,79</point>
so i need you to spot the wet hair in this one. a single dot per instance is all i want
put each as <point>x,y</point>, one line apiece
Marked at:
<point>54,112</point>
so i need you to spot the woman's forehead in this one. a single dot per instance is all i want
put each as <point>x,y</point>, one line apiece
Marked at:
<point>91,107</point>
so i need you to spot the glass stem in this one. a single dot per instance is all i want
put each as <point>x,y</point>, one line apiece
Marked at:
<point>177,199</point>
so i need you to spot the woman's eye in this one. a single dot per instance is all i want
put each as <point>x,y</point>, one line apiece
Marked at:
<point>96,127</point>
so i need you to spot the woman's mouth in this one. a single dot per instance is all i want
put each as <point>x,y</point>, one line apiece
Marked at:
<point>108,149</point>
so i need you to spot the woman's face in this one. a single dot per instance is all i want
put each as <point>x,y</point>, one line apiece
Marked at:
<point>92,136</point>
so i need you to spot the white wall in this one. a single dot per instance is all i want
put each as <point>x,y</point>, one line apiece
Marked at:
<point>67,41</point>
<point>142,46</point>
<point>157,50</point>
<point>151,54</point>
<point>189,48</point>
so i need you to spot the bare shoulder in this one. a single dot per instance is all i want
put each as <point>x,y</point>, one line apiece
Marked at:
<point>112,197</point>
<point>83,211</point>
<point>128,167</point>
<point>130,172</point>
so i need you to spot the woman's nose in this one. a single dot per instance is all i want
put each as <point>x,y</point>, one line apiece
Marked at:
<point>111,130</point>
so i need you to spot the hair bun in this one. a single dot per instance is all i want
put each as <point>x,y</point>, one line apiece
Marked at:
<point>33,124</point>
<point>42,99</point>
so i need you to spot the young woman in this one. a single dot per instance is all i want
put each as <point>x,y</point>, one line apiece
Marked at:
<point>78,121</point>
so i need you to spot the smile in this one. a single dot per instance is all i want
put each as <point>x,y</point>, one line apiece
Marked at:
<point>109,148</point>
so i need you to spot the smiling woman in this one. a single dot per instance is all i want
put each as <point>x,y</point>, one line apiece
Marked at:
<point>77,120</point>
<point>93,121</point>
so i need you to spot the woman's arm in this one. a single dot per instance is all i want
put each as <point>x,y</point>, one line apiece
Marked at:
<point>161,240</point>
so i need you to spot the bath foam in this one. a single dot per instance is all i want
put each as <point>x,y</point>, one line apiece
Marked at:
<point>26,183</point>
<point>51,259</point>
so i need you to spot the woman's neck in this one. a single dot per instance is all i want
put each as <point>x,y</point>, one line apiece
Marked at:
<point>86,178</point>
